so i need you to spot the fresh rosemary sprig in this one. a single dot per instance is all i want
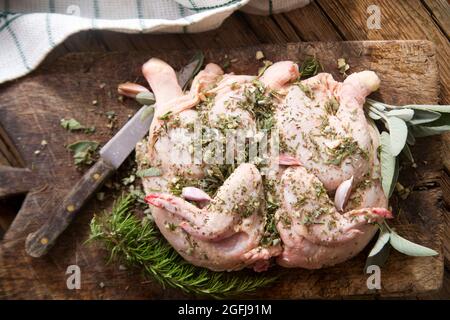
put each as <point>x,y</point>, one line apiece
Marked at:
<point>139,244</point>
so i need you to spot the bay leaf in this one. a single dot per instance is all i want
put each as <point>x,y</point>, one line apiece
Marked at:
<point>398,132</point>
<point>410,248</point>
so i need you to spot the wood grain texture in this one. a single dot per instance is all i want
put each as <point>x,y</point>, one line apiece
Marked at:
<point>440,12</point>
<point>16,181</point>
<point>399,20</point>
<point>68,87</point>
<point>40,241</point>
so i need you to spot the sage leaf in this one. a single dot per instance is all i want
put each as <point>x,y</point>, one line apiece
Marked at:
<point>383,238</point>
<point>373,115</point>
<point>148,111</point>
<point>394,180</point>
<point>71,124</point>
<point>74,125</point>
<point>378,105</point>
<point>410,139</point>
<point>410,248</point>
<point>387,163</point>
<point>407,153</point>
<point>380,258</point>
<point>149,172</point>
<point>430,107</point>
<point>424,116</point>
<point>443,120</point>
<point>404,114</point>
<point>188,72</point>
<point>83,151</point>
<point>145,98</point>
<point>398,132</point>
<point>425,131</point>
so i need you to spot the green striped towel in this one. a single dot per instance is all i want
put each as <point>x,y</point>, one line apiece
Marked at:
<point>29,30</point>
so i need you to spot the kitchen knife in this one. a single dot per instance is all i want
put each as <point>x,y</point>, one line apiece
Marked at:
<point>112,155</point>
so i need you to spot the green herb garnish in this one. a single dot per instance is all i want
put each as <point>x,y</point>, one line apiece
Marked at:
<point>332,106</point>
<point>310,67</point>
<point>347,148</point>
<point>83,151</point>
<point>138,244</point>
<point>74,125</point>
<point>165,116</point>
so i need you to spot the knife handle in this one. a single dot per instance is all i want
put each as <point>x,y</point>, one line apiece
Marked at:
<point>39,242</point>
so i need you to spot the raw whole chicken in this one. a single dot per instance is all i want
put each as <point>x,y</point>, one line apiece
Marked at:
<point>312,200</point>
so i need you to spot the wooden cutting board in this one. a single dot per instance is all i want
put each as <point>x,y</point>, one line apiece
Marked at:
<point>31,109</point>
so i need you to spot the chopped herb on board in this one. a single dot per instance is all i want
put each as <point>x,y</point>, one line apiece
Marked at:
<point>83,151</point>
<point>74,125</point>
<point>343,66</point>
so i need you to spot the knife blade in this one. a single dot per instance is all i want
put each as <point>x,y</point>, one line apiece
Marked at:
<point>112,155</point>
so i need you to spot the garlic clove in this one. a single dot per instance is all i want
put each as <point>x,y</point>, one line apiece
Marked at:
<point>195,194</point>
<point>342,194</point>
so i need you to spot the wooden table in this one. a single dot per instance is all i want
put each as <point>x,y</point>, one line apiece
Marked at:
<point>322,20</point>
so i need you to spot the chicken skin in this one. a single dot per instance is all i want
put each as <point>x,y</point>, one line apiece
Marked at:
<point>314,234</point>
<point>225,235</point>
<point>281,208</point>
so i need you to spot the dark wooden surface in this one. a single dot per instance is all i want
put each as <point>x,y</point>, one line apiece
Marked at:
<point>322,20</point>
<point>29,118</point>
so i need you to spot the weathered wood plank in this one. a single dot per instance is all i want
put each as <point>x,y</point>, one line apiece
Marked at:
<point>53,94</point>
<point>16,181</point>
<point>399,20</point>
<point>440,11</point>
<point>311,24</point>
<point>8,153</point>
<point>268,31</point>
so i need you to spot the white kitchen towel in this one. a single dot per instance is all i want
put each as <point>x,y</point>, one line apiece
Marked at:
<point>29,30</point>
